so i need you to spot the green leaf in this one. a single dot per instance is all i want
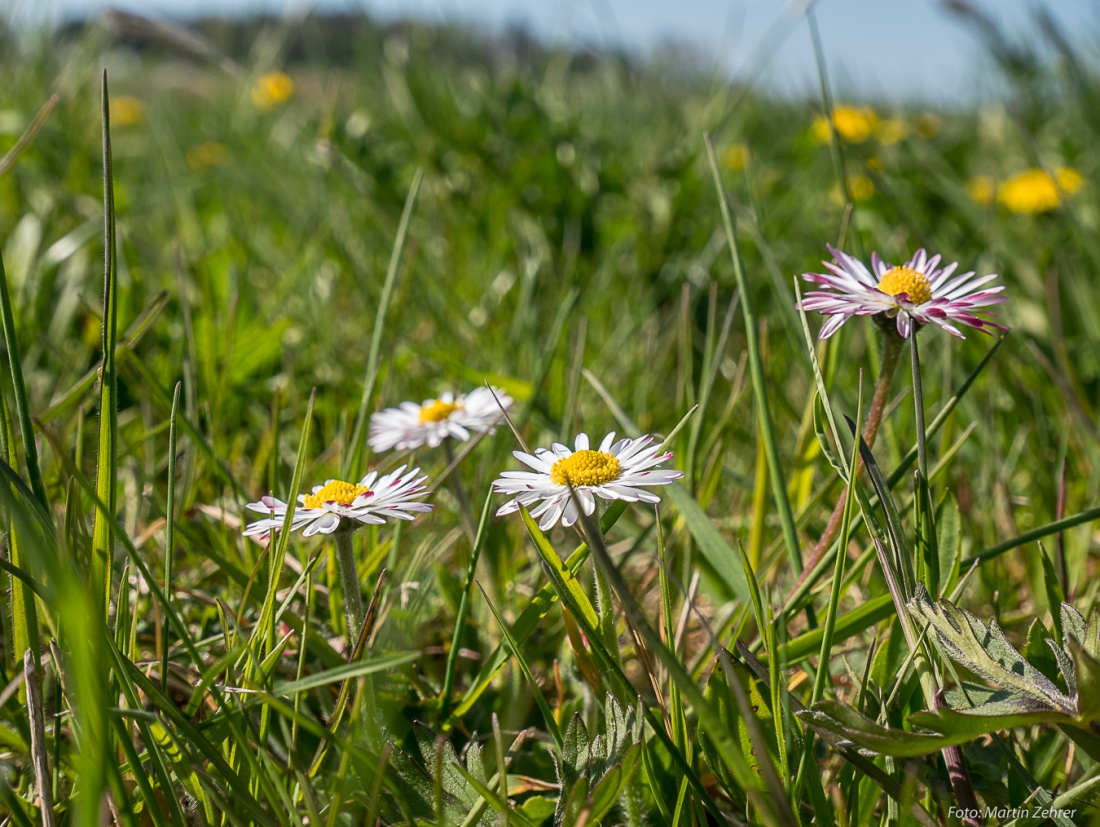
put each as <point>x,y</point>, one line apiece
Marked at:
<point>986,652</point>
<point>107,459</point>
<point>341,673</point>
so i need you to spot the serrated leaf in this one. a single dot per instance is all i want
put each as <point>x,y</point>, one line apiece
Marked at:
<point>986,652</point>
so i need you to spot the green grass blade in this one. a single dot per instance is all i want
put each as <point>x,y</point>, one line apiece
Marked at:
<point>169,528</point>
<point>341,673</point>
<point>730,751</point>
<point>464,609</point>
<point>540,699</point>
<point>756,370</point>
<point>354,457</point>
<point>12,155</point>
<point>22,411</point>
<point>265,626</point>
<point>107,459</point>
<point>24,613</point>
<point>527,621</point>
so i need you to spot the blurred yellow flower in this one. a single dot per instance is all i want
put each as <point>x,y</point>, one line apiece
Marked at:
<point>126,111</point>
<point>207,154</point>
<point>860,187</point>
<point>737,157</point>
<point>981,189</point>
<point>852,123</point>
<point>874,163</point>
<point>271,90</point>
<point>890,131</point>
<point>929,125</point>
<point>1036,191</point>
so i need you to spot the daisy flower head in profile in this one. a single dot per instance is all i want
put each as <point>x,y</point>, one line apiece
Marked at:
<point>614,471</point>
<point>343,505</point>
<point>903,297</point>
<point>411,425</point>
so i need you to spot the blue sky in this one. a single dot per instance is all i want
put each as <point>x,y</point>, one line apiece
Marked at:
<point>881,48</point>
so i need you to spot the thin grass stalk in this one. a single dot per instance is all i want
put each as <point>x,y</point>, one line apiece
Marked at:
<point>354,456</point>
<point>756,368</point>
<point>107,460</point>
<point>463,611</point>
<point>169,529</point>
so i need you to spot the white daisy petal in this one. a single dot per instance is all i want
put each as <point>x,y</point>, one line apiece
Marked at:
<point>915,293</point>
<point>454,416</point>
<point>616,471</point>
<point>394,496</point>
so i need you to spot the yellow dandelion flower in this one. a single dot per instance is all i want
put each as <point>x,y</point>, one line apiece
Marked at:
<point>890,131</point>
<point>271,90</point>
<point>737,157</point>
<point>982,189</point>
<point>1036,191</point>
<point>126,111</point>
<point>853,124</point>
<point>207,154</point>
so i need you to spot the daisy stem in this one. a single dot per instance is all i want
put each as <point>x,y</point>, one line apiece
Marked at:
<point>349,577</point>
<point>918,403</point>
<point>891,353</point>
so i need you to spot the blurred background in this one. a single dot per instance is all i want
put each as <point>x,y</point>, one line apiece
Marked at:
<point>913,49</point>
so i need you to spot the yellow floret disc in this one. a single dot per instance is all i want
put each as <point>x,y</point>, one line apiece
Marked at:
<point>585,468</point>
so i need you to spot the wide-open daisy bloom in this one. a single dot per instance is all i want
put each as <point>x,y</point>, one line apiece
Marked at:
<point>614,471</point>
<point>370,502</point>
<point>915,292</point>
<point>411,425</point>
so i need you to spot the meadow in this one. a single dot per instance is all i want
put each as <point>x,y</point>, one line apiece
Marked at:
<point>223,254</point>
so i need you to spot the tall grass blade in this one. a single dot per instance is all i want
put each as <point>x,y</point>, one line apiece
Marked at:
<point>353,459</point>
<point>106,459</point>
<point>756,370</point>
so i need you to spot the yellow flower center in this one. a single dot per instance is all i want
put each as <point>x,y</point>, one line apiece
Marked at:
<point>906,280</point>
<point>585,468</point>
<point>337,491</point>
<point>437,410</point>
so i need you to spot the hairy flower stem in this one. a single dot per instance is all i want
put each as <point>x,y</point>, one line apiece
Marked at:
<point>891,351</point>
<point>349,577</point>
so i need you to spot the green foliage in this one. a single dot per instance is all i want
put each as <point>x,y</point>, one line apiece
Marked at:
<point>425,212</point>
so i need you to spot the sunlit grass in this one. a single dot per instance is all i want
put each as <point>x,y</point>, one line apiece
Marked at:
<point>292,245</point>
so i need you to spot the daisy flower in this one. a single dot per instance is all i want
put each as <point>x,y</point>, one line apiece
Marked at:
<point>914,293</point>
<point>614,471</point>
<point>338,503</point>
<point>411,425</point>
